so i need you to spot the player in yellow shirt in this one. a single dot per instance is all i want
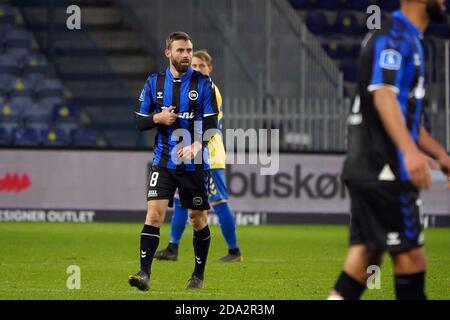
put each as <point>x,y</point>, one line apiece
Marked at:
<point>218,193</point>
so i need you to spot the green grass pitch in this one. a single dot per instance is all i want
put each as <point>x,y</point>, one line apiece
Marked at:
<point>281,262</point>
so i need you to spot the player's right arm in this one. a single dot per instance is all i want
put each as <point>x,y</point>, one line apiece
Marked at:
<point>147,118</point>
<point>387,74</point>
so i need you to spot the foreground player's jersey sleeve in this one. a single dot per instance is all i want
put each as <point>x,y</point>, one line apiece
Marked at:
<point>217,155</point>
<point>209,99</point>
<point>389,62</point>
<point>147,105</point>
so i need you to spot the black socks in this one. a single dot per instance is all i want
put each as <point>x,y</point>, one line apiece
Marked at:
<point>149,244</point>
<point>201,241</point>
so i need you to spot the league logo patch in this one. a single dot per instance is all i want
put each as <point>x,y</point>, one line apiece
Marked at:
<point>390,59</point>
<point>141,98</point>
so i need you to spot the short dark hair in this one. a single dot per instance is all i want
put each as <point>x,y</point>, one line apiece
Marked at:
<point>178,35</point>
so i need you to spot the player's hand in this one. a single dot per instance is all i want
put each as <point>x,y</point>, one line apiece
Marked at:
<point>416,164</point>
<point>444,164</point>
<point>166,117</point>
<point>189,152</point>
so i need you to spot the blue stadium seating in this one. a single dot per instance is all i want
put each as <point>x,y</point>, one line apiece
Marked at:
<point>348,67</point>
<point>7,15</point>
<point>83,137</point>
<point>36,63</point>
<point>22,102</point>
<point>38,113</point>
<point>18,39</point>
<point>21,88</point>
<point>31,103</point>
<point>335,50</point>
<point>389,5</point>
<point>360,5</point>
<point>346,23</point>
<point>49,88</point>
<point>5,137</point>
<point>25,137</point>
<point>8,64</point>
<point>329,4</point>
<point>54,137</point>
<point>5,83</point>
<point>317,22</point>
<point>10,110</point>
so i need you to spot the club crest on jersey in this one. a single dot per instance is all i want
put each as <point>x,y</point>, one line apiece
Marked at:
<point>193,95</point>
<point>390,59</point>
<point>159,95</point>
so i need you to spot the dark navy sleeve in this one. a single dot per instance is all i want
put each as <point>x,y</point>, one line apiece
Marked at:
<point>389,63</point>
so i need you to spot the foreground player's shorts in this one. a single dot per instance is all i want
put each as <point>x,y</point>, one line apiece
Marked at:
<point>385,215</point>
<point>217,185</point>
<point>193,187</point>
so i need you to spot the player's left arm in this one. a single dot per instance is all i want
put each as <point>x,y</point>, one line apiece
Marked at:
<point>435,150</point>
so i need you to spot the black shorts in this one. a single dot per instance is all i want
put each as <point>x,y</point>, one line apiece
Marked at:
<point>193,187</point>
<point>385,216</point>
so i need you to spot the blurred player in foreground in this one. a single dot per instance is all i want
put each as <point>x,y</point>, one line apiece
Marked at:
<point>388,155</point>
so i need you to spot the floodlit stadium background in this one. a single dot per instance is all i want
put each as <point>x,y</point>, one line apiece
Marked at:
<point>69,148</point>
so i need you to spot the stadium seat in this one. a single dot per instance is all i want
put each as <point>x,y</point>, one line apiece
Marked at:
<point>7,15</point>
<point>35,64</point>
<point>18,39</point>
<point>66,117</point>
<point>348,67</point>
<point>5,137</point>
<point>37,124</point>
<point>335,50</point>
<point>353,51</point>
<point>317,22</point>
<point>303,4</point>
<point>9,124</point>
<point>8,65</point>
<point>21,55</point>
<point>50,102</point>
<point>84,137</point>
<point>54,137</point>
<point>38,113</point>
<point>22,102</point>
<point>5,83</point>
<point>10,110</point>
<point>390,5</point>
<point>49,88</point>
<point>329,4</point>
<point>346,23</point>
<point>25,137</point>
<point>34,79</point>
<point>21,88</point>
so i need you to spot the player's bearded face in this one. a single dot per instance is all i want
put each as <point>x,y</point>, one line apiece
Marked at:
<point>182,64</point>
<point>436,11</point>
<point>181,55</point>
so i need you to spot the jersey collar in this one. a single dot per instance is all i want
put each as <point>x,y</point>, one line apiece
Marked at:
<point>412,28</point>
<point>186,76</point>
